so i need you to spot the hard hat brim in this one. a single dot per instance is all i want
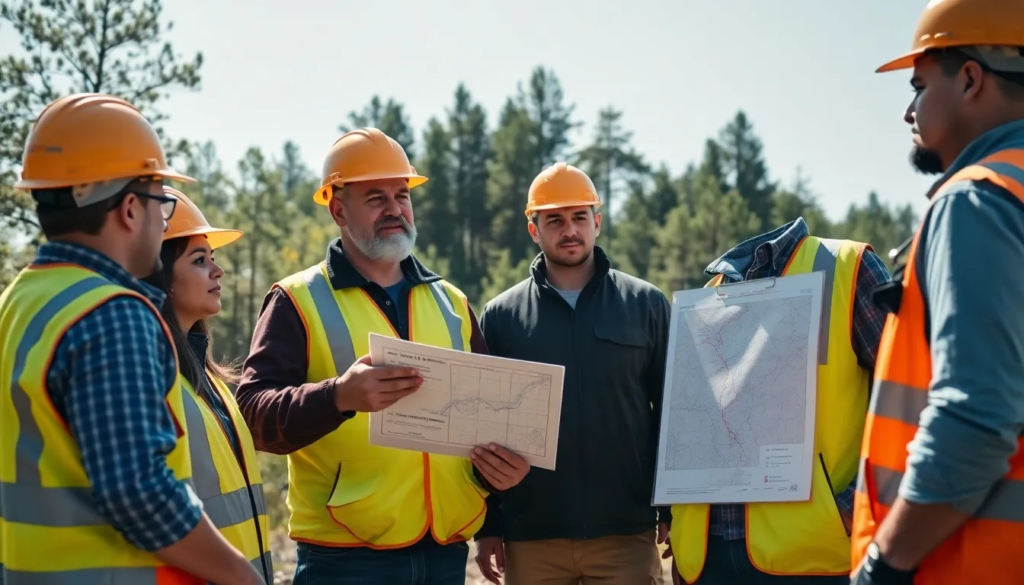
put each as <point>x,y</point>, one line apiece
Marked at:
<point>905,61</point>
<point>168,174</point>
<point>323,194</point>
<point>217,237</point>
<point>560,205</point>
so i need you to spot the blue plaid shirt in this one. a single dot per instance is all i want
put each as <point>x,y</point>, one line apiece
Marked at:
<point>765,256</point>
<point>108,379</point>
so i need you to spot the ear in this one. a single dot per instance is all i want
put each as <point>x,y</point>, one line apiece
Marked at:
<point>597,223</point>
<point>532,228</point>
<point>128,213</point>
<point>974,79</point>
<point>337,209</point>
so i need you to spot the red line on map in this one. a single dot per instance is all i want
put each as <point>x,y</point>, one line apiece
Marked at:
<point>715,341</point>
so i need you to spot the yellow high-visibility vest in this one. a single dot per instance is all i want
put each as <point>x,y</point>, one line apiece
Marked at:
<point>50,532</point>
<point>343,491</point>
<point>805,538</point>
<point>232,496</point>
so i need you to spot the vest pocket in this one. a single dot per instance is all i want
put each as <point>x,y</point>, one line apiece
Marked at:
<point>350,503</point>
<point>800,537</point>
<point>459,504</point>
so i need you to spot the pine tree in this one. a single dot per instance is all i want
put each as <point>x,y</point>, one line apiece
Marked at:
<point>745,166</point>
<point>511,171</point>
<point>116,47</point>
<point>432,202</point>
<point>471,153</point>
<point>390,118</point>
<point>610,160</point>
<point>636,236</point>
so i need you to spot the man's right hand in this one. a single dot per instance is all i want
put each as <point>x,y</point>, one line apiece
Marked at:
<point>367,388</point>
<point>492,546</point>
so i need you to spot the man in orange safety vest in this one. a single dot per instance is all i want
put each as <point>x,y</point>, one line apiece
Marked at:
<point>940,497</point>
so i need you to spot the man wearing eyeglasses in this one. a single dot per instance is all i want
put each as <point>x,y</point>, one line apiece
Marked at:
<point>94,458</point>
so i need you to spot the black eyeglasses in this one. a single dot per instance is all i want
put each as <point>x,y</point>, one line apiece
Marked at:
<point>167,204</point>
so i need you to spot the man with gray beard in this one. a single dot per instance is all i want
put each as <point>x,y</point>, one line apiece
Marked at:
<point>363,513</point>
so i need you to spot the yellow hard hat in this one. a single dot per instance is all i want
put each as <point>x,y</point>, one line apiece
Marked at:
<point>561,185</point>
<point>364,155</point>
<point>188,221</point>
<point>91,138</point>
<point>964,23</point>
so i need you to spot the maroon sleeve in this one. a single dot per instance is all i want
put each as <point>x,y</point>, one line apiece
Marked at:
<point>284,413</point>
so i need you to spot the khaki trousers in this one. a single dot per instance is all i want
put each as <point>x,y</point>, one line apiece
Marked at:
<point>612,560</point>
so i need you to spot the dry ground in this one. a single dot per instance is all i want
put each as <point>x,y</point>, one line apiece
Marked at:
<point>284,563</point>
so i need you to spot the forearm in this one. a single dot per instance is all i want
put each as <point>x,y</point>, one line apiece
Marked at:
<point>911,531</point>
<point>283,419</point>
<point>284,412</point>
<point>205,553</point>
<point>116,372</point>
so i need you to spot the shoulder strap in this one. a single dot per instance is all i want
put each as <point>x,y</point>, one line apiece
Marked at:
<point>1004,168</point>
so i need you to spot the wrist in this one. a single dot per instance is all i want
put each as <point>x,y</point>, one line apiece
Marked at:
<point>337,391</point>
<point>881,572</point>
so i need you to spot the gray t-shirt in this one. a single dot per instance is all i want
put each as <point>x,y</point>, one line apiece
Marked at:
<point>570,296</point>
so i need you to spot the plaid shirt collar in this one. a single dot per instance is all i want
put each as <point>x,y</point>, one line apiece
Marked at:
<point>71,253</point>
<point>749,256</point>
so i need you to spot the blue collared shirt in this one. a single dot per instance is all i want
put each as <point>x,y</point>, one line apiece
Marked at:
<point>766,256</point>
<point>108,379</point>
<point>969,259</point>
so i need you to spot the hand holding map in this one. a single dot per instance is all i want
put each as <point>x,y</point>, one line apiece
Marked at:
<point>468,400</point>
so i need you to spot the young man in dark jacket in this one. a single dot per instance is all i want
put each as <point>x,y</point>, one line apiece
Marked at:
<point>592,516</point>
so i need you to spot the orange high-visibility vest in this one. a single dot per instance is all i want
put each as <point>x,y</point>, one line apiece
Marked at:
<point>986,549</point>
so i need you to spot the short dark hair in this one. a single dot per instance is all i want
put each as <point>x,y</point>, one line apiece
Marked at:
<point>952,60</point>
<point>64,219</point>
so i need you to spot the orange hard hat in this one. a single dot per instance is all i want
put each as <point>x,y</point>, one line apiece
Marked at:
<point>91,138</point>
<point>364,155</point>
<point>561,185</point>
<point>188,221</point>
<point>964,23</point>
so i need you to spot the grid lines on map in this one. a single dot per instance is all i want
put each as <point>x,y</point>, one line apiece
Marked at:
<point>506,408</point>
<point>738,384</point>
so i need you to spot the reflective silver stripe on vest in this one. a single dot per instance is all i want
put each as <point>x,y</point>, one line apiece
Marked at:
<point>27,501</point>
<point>338,337</point>
<point>106,576</point>
<point>223,509</point>
<point>451,319</point>
<point>825,261</point>
<point>1004,502</point>
<point>898,401</point>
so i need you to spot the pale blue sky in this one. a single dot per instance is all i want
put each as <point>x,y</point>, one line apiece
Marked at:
<point>679,70</point>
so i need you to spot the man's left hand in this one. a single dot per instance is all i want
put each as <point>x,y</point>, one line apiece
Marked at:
<point>501,468</point>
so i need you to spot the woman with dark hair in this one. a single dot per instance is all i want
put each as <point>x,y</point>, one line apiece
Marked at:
<point>225,471</point>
